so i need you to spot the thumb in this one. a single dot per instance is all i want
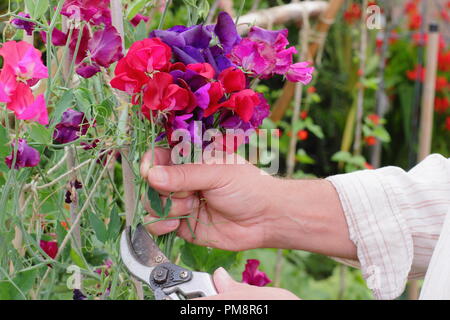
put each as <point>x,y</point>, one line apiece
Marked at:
<point>223,281</point>
<point>186,177</point>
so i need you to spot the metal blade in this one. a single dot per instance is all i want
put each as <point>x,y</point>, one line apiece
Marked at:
<point>130,260</point>
<point>145,249</point>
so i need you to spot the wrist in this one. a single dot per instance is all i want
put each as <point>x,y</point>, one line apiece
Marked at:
<point>307,215</point>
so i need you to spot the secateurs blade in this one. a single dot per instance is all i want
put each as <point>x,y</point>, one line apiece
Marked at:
<point>145,261</point>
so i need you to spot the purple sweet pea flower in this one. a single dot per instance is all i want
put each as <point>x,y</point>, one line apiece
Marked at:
<point>253,276</point>
<point>106,46</point>
<point>73,125</point>
<point>225,30</point>
<point>28,26</point>
<point>88,70</point>
<point>59,38</point>
<point>261,111</point>
<point>78,295</point>
<point>26,156</point>
<point>73,184</point>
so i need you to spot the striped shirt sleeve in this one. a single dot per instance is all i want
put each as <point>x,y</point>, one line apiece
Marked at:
<point>394,219</point>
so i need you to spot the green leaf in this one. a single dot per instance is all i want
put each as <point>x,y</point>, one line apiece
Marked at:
<point>194,256</point>
<point>99,227</point>
<point>219,258</point>
<point>382,134</point>
<point>341,156</point>
<point>167,207</point>
<point>77,259</point>
<point>206,259</point>
<point>135,8</point>
<point>303,157</point>
<point>4,142</point>
<point>37,8</point>
<point>40,8</point>
<point>114,224</point>
<point>40,134</point>
<point>23,280</point>
<point>155,201</point>
<point>62,105</point>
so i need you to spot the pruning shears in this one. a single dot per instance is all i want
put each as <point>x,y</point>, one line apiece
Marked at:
<point>145,261</point>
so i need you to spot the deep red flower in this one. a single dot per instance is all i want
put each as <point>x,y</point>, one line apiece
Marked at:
<point>444,61</point>
<point>374,118</point>
<point>162,94</point>
<point>353,13</point>
<point>49,247</point>
<point>415,21</point>
<point>447,123</point>
<point>370,140</point>
<point>242,102</point>
<point>302,135</point>
<point>253,276</point>
<point>441,83</point>
<point>417,73</point>
<point>303,115</point>
<point>368,166</point>
<point>203,69</point>
<point>149,55</point>
<point>441,104</point>
<point>232,79</point>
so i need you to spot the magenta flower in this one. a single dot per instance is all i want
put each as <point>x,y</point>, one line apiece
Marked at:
<point>263,53</point>
<point>253,276</point>
<point>26,156</point>
<point>25,61</point>
<point>300,72</point>
<point>105,47</point>
<point>28,26</point>
<point>95,12</point>
<point>73,124</point>
<point>138,18</point>
<point>49,247</point>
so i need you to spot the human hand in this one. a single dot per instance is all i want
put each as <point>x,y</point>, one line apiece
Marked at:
<point>233,212</point>
<point>229,289</point>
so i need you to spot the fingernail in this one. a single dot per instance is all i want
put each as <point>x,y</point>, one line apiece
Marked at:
<point>222,275</point>
<point>158,175</point>
<point>222,280</point>
<point>171,223</point>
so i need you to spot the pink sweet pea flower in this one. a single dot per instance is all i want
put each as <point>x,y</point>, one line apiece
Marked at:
<point>300,72</point>
<point>25,60</point>
<point>253,276</point>
<point>8,83</point>
<point>26,107</point>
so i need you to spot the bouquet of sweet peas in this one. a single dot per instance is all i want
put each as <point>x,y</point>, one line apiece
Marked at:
<point>199,77</point>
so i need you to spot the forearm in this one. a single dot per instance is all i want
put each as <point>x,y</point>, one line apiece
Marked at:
<point>307,215</point>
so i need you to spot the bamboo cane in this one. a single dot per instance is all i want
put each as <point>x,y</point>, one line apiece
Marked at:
<point>426,119</point>
<point>426,114</point>
<point>127,172</point>
<point>322,27</point>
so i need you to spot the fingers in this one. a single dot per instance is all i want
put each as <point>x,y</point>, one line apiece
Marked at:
<point>188,177</point>
<point>162,157</point>
<point>223,281</point>
<point>180,207</point>
<point>161,227</point>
